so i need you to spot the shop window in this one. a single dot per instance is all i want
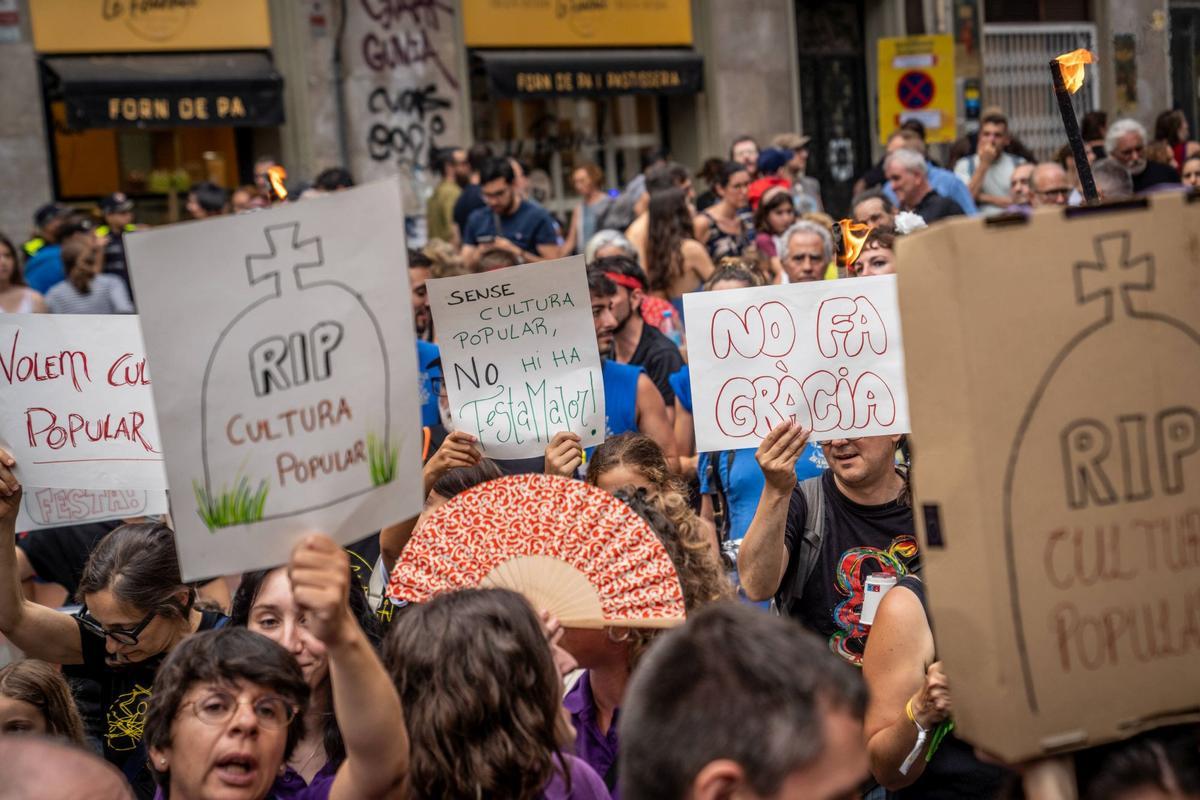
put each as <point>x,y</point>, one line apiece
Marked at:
<point>555,135</point>
<point>145,164</point>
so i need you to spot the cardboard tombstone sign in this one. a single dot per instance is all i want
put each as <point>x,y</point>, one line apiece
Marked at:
<point>290,371</point>
<point>285,375</point>
<point>1055,401</point>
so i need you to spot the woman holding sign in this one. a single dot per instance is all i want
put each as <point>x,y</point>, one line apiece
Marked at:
<point>136,609</point>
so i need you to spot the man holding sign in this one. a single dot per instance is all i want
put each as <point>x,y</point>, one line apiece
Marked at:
<point>820,360</point>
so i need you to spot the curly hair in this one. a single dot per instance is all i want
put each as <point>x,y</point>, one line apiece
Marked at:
<point>670,224</point>
<point>42,686</point>
<point>222,656</point>
<point>481,697</point>
<point>681,531</point>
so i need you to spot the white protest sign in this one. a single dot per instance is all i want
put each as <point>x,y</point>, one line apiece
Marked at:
<point>827,354</point>
<point>53,508</point>
<point>75,406</point>
<point>285,377</point>
<point>519,355</point>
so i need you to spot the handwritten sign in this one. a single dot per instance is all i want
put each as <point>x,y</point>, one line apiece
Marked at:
<point>53,508</point>
<point>826,354</point>
<point>519,355</point>
<point>285,375</point>
<point>76,409</point>
<point>1058,470</point>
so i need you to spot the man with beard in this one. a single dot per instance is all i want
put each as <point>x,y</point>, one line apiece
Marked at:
<point>508,221</point>
<point>631,400</point>
<point>1126,142</point>
<point>634,342</point>
<point>451,163</point>
<point>420,270</point>
<point>812,545</point>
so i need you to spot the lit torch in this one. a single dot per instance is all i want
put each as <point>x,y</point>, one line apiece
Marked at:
<point>849,237</point>
<point>277,177</point>
<point>1067,72</point>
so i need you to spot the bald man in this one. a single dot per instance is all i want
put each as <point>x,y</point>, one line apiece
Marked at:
<point>1050,185</point>
<point>31,766</point>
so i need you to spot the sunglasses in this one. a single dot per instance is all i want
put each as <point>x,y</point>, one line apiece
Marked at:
<point>128,636</point>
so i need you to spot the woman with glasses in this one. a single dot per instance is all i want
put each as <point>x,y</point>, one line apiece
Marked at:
<point>135,609</point>
<point>229,707</point>
<point>726,227</point>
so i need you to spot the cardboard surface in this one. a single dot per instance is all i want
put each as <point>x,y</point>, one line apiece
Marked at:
<point>1054,382</point>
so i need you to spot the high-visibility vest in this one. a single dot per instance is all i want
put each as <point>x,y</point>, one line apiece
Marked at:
<point>103,230</point>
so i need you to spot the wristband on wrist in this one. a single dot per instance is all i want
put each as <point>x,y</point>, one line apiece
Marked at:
<point>922,735</point>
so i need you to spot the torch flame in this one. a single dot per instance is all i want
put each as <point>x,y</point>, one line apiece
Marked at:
<point>854,234</point>
<point>1071,65</point>
<point>277,175</point>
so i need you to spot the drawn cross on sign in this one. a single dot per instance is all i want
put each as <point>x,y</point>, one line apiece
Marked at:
<point>915,89</point>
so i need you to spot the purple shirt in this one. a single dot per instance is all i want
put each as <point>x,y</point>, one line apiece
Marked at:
<point>598,749</point>
<point>585,783</point>
<point>292,787</point>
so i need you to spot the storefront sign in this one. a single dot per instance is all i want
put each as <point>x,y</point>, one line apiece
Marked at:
<point>576,23</point>
<point>916,81</point>
<point>220,89</point>
<point>101,111</point>
<point>547,73</point>
<point>110,26</point>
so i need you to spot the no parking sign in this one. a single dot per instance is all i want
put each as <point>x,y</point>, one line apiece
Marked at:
<point>916,81</point>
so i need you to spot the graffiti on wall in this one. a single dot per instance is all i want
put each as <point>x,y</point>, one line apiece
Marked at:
<point>402,90</point>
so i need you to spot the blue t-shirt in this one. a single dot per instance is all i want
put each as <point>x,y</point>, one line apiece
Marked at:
<point>620,396</point>
<point>426,353</point>
<point>681,383</point>
<point>743,482</point>
<point>530,226</point>
<point>945,183</point>
<point>45,269</point>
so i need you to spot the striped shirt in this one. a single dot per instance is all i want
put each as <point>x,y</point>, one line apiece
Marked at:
<point>108,295</point>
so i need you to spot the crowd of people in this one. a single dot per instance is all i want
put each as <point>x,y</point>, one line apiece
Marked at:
<point>306,681</point>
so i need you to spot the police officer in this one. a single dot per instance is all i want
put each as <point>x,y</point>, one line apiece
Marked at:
<point>117,209</point>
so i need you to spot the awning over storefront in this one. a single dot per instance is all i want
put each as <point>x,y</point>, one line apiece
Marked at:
<point>583,73</point>
<point>150,91</point>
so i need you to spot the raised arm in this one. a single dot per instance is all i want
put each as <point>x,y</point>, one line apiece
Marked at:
<point>763,556</point>
<point>652,419</point>
<point>365,701</point>
<point>39,632</point>
<point>457,450</point>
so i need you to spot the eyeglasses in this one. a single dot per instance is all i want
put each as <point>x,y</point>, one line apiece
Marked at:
<point>218,708</point>
<point>127,636</point>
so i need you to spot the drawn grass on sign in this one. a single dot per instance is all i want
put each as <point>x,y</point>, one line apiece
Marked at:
<point>237,506</point>
<point>383,460</point>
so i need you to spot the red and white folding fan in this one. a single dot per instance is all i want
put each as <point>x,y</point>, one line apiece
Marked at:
<point>570,548</point>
